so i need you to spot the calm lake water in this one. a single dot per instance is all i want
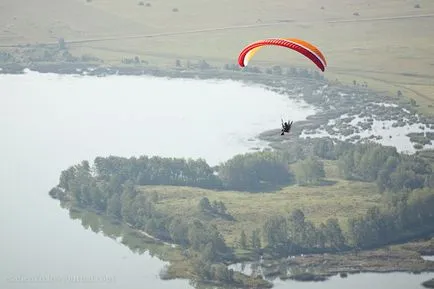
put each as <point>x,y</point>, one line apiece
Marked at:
<point>362,281</point>
<point>353,281</point>
<point>49,122</point>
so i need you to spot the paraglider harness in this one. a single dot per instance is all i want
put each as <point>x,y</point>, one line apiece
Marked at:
<point>286,127</point>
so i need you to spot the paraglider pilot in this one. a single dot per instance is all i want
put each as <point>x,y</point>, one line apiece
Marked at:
<point>286,127</point>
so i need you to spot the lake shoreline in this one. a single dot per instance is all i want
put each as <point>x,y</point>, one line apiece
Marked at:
<point>402,258</point>
<point>338,106</point>
<point>272,137</point>
<point>168,252</point>
<point>319,267</point>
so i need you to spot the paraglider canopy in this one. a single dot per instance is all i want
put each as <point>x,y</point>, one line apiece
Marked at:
<point>301,46</point>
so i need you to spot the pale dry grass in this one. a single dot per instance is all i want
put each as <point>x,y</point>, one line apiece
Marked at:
<point>376,51</point>
<point>341,200</point>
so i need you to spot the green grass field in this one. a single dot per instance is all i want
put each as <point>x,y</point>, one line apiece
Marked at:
<point>379,47</point>
<point>342,200</point>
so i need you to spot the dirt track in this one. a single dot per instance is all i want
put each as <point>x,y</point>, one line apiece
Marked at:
<point>246,26</point>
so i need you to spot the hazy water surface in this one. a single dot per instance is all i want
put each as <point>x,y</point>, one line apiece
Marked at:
<point>49,122</point>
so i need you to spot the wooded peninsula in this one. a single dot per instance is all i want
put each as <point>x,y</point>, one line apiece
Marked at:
<point>329,200</point>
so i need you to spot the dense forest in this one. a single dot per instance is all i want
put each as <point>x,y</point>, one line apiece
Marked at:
<point>110,187</point>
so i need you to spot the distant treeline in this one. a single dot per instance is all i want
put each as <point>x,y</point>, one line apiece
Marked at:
<point>407,181</point>
<point>260,171</point>
<point>404,217</point>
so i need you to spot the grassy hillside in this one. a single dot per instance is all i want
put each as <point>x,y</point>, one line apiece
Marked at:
<point>341,200</point>
<point>378,46</point>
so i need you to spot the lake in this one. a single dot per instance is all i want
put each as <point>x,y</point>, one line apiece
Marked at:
<point>362,281</point>
<point>49,122</point>
<point>353,281</point>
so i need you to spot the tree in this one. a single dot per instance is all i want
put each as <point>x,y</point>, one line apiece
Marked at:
<point>151,226</point>
<point>321,236</point>
<point>208,254</point>
<point>324,148</point>
<point>221,208</point>
<point>204,205</point>
<point>256,239</point>
<point>275,231</point>
<point>223,274</point>
<point>243,240</point>
<point>202,269</point>
<point>114,206</point>
<point>178,231</point>
<point>309,171</point>
<point>215,206</point>
<point>297,226</point>
<point>249,172</point>
<point>66,177</point>
<point>334,234</point>
<point>61,43</point>
<point>98,199</point>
